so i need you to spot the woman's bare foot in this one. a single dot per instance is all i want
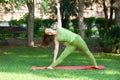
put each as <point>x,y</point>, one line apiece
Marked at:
<point>96,67</point>
<point>50,68</point>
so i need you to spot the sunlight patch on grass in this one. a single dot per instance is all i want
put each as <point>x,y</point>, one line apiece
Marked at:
<point>116,54</point>
<point>103,59</point>
<point>18,76</point>
<point>64,78</point>
<point>37,56</point>
<point>112,72</point>
<point>72,77</point>
<point>30,76</point>
<point>6,53</point>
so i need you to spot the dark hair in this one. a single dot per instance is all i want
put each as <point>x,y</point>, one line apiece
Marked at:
<point>47,40</point>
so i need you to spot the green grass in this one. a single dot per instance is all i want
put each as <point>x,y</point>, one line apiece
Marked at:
<point>15,64</point>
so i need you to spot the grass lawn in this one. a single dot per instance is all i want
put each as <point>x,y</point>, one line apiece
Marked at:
<point>15,64</point>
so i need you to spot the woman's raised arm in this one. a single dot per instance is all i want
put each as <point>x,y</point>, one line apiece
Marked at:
<point>59,25</point>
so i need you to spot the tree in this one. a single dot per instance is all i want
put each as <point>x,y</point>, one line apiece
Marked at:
<point>116,6</point>
<point>47,8</point>
<point>66,12</point>
<point>7,6</point>
<point>30,5</point>
<point>80,17</point>
<point>73,8</point>
<point>113,6</point>
<point>107,7</point>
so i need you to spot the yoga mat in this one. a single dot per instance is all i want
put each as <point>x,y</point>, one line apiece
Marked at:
<point>68,67</point>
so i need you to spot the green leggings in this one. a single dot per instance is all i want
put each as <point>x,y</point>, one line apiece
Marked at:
<point>77,43</point>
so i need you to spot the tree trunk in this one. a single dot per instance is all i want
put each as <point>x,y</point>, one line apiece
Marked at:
<point>30,23</point>
<point>116,5</point>
<point>111,13</point>
<point>80,17</point>
<point>117,16</point>
<point>106,14</point>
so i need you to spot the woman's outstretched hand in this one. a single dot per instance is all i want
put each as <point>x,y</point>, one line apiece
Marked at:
<point>57,5</point>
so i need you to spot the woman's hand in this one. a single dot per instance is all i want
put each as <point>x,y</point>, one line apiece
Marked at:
<point>57,5</point>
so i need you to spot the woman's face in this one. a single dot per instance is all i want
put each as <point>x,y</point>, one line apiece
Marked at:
<point>49,31</point>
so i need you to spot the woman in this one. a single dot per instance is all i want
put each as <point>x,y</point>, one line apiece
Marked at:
<point>73,40</point>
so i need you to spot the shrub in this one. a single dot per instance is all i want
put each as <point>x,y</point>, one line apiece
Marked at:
<point>100,24</point>
<point>3,42</point>
<point>111,40</point>
<point>75,25</point>
<point>37,25</point>
<point>14,23</point>
<point>113,32</point>
<point>24,19</point>
<point>47,22</point>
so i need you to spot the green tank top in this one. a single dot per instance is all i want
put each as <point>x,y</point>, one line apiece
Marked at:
<point>65,35</point>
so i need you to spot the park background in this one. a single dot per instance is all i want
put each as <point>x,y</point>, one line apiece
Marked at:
<point>97,22</point>
<point>22,24</point>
